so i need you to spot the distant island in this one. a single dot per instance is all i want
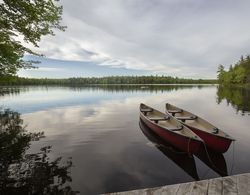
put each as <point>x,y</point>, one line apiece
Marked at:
<point>120,80</point>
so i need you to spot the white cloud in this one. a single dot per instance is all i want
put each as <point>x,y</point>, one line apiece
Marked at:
<point>182,38</point>
<point>40,70</point>
<point>48,69</point>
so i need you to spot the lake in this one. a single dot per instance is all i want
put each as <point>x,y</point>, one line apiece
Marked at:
<point>93,141</point>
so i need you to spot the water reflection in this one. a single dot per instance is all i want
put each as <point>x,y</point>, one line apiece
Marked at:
<point>138,88</point>
<point>213,160</point>
<point>22,173</point>
<point>110,88</point>
<point>28,99</point>
<point>237,97</point>
<point>183,160</point>
<point>9,91</point>
<point>99,129</point>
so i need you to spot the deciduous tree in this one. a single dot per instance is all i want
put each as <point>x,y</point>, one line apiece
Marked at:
<point>28,21</point>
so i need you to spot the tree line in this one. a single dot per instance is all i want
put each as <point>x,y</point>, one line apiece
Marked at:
<point>239,73</point>
<point>13,80</point>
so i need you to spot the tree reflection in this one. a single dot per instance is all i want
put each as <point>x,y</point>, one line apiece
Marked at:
<point>238,97</point>
<point>22,173</point>
<point>9,91</point>
<point>15,90</point>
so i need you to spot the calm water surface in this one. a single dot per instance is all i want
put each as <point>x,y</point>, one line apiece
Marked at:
<point>102,144</point>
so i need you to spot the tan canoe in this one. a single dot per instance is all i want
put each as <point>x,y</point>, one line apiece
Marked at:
<point>213,137</point>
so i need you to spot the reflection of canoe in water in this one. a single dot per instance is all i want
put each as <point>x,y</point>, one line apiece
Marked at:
<point>213,137</point>
<point>213,160</point>
<point>183,160</point>
<point>169,129</point>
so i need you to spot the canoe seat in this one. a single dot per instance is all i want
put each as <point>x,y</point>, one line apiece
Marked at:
<point>146,110</point>
<point>178,128</point>
<point>175,111</point>
<point>184,118</point>
<point>157,119</point>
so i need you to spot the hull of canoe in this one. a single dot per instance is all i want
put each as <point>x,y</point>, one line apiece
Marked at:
<point>216,143</point>
<point>181,142</point>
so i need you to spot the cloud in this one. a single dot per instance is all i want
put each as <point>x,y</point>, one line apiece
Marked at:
<point>53,68</point>
<point>41,72</point>
<point>186,38</point>
<point>48,69</point>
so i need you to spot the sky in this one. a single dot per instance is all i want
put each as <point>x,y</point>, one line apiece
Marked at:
<point>54,68</point>
<point>184,38</point>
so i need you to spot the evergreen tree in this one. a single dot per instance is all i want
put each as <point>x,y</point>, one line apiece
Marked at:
<point>220,73</point>
<point>237,74</point>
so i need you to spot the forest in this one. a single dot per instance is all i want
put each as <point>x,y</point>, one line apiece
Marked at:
<point>14,80</point>
<point>239,73</point>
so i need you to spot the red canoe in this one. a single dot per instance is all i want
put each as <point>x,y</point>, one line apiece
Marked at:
<point>213,137</point>
<point>169,129</point>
